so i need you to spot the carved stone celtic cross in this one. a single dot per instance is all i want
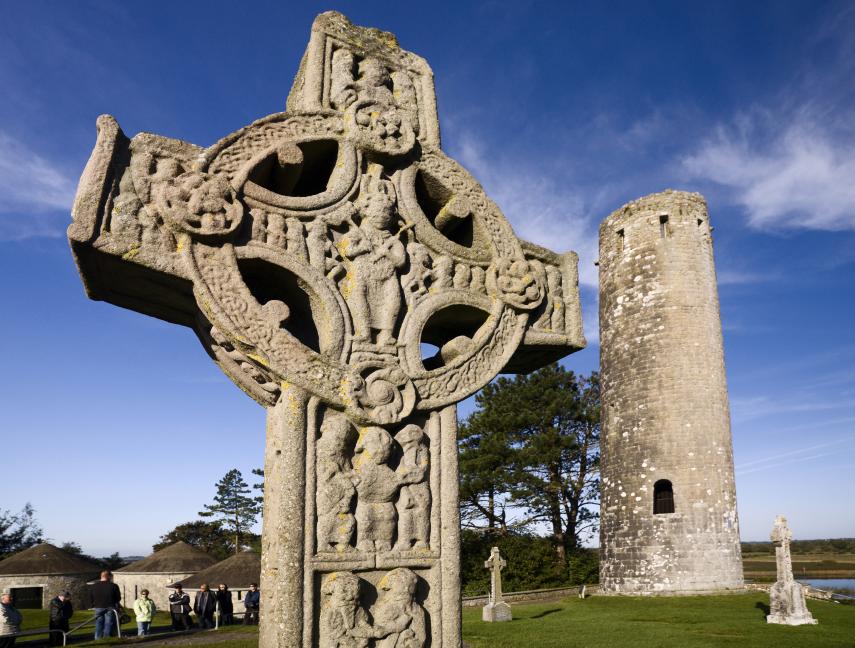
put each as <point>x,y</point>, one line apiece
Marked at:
<point>315,252</point>
<point>495,563</point>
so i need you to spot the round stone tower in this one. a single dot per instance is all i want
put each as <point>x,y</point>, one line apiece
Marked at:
<point>669,522</point>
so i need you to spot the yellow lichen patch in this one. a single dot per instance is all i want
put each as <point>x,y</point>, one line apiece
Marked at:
<point>132,252</point>
<point>259,359</point>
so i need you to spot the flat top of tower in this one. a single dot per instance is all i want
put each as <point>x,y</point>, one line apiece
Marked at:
<point>662,202</point>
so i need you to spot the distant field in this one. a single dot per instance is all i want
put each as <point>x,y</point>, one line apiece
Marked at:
<point>762,566</point>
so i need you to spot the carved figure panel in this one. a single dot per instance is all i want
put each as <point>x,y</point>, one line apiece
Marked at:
<point>396,619</point>
<point>373,491</point>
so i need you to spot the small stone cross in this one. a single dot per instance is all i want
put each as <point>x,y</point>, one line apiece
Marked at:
<point>780,536</point>
<point>786,596</point>
<point>495,563</point>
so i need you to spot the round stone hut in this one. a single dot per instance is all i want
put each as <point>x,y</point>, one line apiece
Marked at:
<point>170,564</point>
<point>237,571</point>
<point>35,575</point>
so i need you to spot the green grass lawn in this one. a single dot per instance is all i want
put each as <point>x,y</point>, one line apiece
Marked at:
<point>658,622</point>
<point>618,622</point>
<point>37,619</point>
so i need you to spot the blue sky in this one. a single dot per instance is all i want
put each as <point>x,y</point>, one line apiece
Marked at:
<point>116,426</point>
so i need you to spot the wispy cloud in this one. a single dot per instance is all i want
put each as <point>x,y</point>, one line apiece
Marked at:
<point>544,208</point>
<point>732,277</point>
<point>798,455</point>
<point>802,177</point>
<point>32,191</point>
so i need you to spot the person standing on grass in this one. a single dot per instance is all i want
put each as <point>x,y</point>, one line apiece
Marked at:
<point>106,598</point>
<point>179,609</point>
<point>144,609</point>
<point>10,621</point>
<point>225,606</point>
<point>204,606</point>
<point>60,613</point>
<point>252,602</point>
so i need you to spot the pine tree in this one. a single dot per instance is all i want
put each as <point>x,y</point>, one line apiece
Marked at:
<point>19,531</point>
<point>237,510</point>
<point>532,449</point>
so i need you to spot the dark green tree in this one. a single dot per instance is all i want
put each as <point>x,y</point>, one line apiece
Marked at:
<point>233,504</point>
<point>535,437</point>
<point>19,531</point>
<point>259,472</point>
<point>485,460</point>
<point>210,537</point>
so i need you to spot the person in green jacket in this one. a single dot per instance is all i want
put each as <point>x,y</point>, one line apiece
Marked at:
<point>144,609</point>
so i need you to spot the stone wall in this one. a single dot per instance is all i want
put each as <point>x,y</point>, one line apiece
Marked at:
<point>665,408</point>
<point>532,596</point>
<point>52,585</point>
<point>131,584</point>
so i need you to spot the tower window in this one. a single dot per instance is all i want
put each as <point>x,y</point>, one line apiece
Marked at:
<point>620,236</point>
<point>663,225</point>
<point>663,497</point>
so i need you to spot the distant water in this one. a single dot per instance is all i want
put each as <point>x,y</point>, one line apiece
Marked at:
<point>832,584</point>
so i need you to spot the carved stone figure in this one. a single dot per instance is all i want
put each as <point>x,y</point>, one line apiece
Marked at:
<point>374,296</point>
<point>786,597</point>
<point>335,486</point>
<point>343,623</point>
<point>377,486</point>
<point>399,621</point>
<point>413,505</point>
<point>290,247</point>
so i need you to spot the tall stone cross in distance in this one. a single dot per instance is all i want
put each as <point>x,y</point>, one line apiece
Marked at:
<point>787,604</point>
<point>496,608</point>
<point>314,253</point>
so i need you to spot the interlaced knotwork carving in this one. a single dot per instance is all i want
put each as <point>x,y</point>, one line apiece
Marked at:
<point>315,252</point>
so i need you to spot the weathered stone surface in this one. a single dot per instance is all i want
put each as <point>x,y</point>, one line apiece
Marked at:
<point>496,609</point>
<point>665,410</point>
<point>786,597</point>
<point>314,252</point>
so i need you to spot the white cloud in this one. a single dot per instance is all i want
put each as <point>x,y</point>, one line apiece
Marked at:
<point>542,207</point>
<point>32,191</point>
<point>799,177</point>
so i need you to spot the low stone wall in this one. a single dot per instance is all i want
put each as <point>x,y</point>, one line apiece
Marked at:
<point>810,592</point>
<point>531,596</point>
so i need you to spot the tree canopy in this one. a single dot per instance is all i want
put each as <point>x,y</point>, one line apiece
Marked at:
<point>234,507</point>
<point>19,531</point>
<point>209,536</point>
<point>529,457</point>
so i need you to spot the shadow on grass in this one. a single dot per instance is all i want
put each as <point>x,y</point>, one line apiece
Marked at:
<point>763,606</point>
<point>540,615</point>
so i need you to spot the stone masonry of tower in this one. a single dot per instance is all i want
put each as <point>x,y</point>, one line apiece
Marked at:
<point>666,424</point>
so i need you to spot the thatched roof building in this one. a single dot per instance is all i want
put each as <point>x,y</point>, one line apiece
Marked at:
<point>175,562</point>
<point>35,575</point>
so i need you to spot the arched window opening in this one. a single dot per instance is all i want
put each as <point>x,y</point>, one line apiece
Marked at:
<point>663,497</point>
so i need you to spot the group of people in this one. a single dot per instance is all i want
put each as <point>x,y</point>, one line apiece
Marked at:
<point>207,603</point>
<point>106,600</point>
<point>10,619</point>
